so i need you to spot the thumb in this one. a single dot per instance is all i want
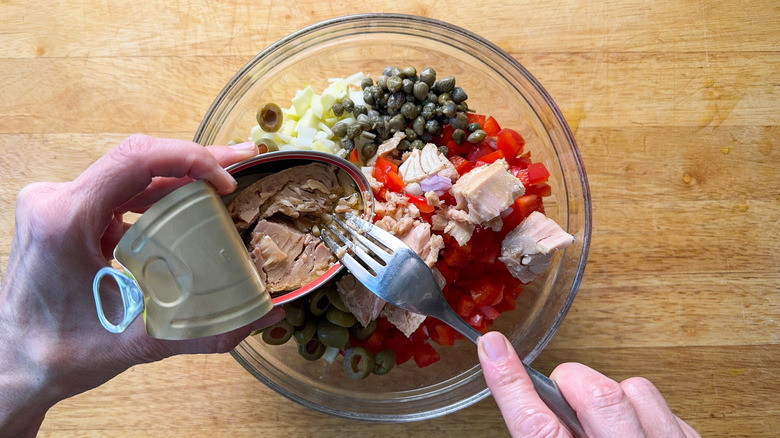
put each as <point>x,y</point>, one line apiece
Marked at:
<point>524,412</point>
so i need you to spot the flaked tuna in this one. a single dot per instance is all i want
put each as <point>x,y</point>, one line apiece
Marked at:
<point>285,257</point>
<point>486,191</point>
<point>360,301</point>
<point>527,250</point>
<point>421,164</point>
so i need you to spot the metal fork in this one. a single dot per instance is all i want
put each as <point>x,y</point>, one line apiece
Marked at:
<point>390,269</point>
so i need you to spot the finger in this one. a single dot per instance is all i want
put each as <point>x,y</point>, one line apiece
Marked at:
<point>114,232</point>
<point>601,405</point>
<point>225,156</point>
<point>689,431</point>
<point>128,169</point>
<point>654,415</point>
<point>524,412</point>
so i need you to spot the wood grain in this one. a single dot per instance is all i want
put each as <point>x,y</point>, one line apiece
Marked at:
<point>674,105</point>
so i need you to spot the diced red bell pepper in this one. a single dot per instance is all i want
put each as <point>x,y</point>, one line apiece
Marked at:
<point>507,303</point>
<point>478,152</point>
<point>491,127</point>
<point>537,173</point>
<point>488,253</point>
<point>353,156</point>
<point>484,289</point>
<point>420,335</point>
<point>445,136</point>
<point>489,158</point>
<point>448,274</point>
<point>448,199</point>
<point>443,334</point>
<point>454,149</point>
<point>541,190</point>
<point>476,118</point>
<point>425,354</point>
<point>394,182</point>
<point>466,306</point>
<point>401,346</point>
<point>510,142</point>
<point>383,165</point>
<point>489,312</point>
<point>520,173</point>
<point>476,319</point>
<point>421,203</point>
<point>461,164</point>
<point>457,256</point>
<point>384,325</point>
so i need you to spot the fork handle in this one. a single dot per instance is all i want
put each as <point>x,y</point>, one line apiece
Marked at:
<point>547,389</point>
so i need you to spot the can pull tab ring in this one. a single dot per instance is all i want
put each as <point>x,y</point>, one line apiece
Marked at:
<point>132,299</point>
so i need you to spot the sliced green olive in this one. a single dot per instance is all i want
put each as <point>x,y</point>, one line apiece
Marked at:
<point>332,335</point>
<point>384,361</point>
<point>269,117</point>
<point>335,299</point>
<point>343,319</point>
<point>278,333</point>
<point>358,363</point>
<point>294,313</point>
<point>319,303</point>
<point>305,333</point>
<point>312,350</point>
<point>362,333</point>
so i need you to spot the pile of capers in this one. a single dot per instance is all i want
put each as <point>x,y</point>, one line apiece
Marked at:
<point>420,105</point>
<point>321,320</point>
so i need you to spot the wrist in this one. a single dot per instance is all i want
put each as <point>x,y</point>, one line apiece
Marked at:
<point>27,389</point>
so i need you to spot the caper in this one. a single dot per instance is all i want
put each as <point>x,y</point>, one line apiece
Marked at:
<point>420,90</point>
<point>359,109</point>
<point>459,121</point>
<point>343,319</point>
<point>444,85</point>
<point>267,144</point>
<point>368,150</point>
<point>395,71</point>
<point>409,72</point>
<point>381,82</point>
<point>383,127</point>
<point>394,83</point>
<point>319,303</point>
<point>294,313</point>
<point>338,109</point>
<point>410,98</point>
<point>278,333</point>
<point>358,363</point>
<point>397,123</point>
<point>427,137</point>
<point>373,114</point>
<point>410,134</point>
<point>354,130</point>
<point>347,144</point>
<point>408,86</point>
<point>458,135</point>
<point>444,150</point>
<point>444,98</point>
<point>404,145</point>
<point>366,82</point>
<point>432,97</point>
<point>428,110</point>
<point>332,335</point>
<point>367,96</point>
<point>417,144</point>
<point>476,136</point>
<point>458,95</point>
<point>396,100</point>
<point>473,126</point>
<point>384,361</point>
<point>428,75</point>
<point>410,110</point>
<point>349,106</point>
<point>311,350</point>
<point>433,127</point>
<point>305,333</point>
<point>377,92</point>
<point>464,107</point>
<point>364,122</point>
<point>269,117</point>
<point>387,70</point>
<point>362,333</point>
<point>449,109</point>
<point>419,125</point>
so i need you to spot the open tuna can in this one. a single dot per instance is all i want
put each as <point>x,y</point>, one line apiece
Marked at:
<point>279,199</point>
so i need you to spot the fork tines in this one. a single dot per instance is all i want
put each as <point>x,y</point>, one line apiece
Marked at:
<point>356,250</point>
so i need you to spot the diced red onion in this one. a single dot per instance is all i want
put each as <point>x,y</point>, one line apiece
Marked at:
<point>437,184</point>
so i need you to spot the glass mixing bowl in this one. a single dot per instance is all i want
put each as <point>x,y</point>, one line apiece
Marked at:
<point>497,85</point>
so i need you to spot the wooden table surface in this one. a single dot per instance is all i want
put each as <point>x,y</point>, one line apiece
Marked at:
<point>676,110</point>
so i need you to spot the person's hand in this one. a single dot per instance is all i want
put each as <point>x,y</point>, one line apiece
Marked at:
<point>605,408</point>
<point>51,343</point>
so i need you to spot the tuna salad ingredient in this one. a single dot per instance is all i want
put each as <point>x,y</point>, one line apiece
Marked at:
<point>527,250</point>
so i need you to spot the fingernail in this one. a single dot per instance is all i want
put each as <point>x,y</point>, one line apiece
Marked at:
<point>247,146</point>
<point>495,346</point>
